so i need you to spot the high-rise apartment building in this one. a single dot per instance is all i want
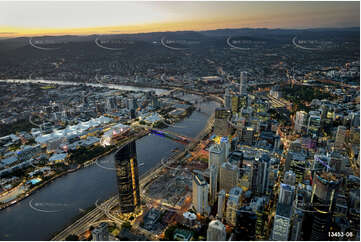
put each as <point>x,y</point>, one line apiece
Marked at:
<point>127,177</point>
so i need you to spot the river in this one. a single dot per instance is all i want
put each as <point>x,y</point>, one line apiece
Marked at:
<point>58,203</point>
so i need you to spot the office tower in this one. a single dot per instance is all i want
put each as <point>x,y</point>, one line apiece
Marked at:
<point>235,104</point>
<point>154,99</point>
<point>301,121</point>
<point>247,135</point>
<point>132,104</point>
<point>132,114</point>
<point>320,162</point>
<point>290,178</point>
<point>296,146</point>
<point>216,156</point>
<point>296,225</point>
<point>221,125</point>
<point>101,233</point>
<point>282,220</point>
<point>233,204</point>
<point>296,162</point>
<point>127,177</point>
<point>226,146</point>
<point>227,99</point>
<point>324,189</point>
<point>246,224</point>
<point>243,83</point>
<point>314,124</point>
<point>111,104</point>
<point>216,231</point>
<point>200,194</point>
<point>213,181</point>
<point>229,175</point>
<point>259,175</point>
<point>221,203</point>
<point>340,137</point>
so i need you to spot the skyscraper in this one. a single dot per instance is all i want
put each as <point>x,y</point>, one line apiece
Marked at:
<point>324,191</point>
<point>200,194</point>
<point>340,137</point>
<point>227,99</point>
<point>216,155</point>
<point>127,177</point>
<point>221,203</point>
<point>243,83</point>
<point>301,121</point>
<point>216,231</point>
<point>229,175</point>
<point>233,204</point>
<point>259,175</point>
<point>282,221</point>
<point>221,125</point>
<point>314,124</point>
<point>290,178</point>
<point>213,181</point>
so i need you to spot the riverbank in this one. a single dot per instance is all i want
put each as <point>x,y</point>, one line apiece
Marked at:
<point>46,182</point>
<point>150,175</point>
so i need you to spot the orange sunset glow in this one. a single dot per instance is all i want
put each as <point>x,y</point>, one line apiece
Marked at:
<point>84,18</point>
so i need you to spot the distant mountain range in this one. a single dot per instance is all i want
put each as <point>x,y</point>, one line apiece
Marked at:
<point>254,33</point>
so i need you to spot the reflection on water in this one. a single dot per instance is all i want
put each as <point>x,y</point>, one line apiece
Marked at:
<point>71,194</point>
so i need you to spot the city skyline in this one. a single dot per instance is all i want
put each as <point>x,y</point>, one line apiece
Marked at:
<point>85,18</point>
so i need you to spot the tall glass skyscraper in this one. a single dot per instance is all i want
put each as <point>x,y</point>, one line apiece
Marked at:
<point>127,177</point>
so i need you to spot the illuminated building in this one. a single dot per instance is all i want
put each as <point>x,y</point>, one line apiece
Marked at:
<point>216,155</point>
<point>320,162</point>
<point>221,203</point>
<point>127,177</point>
<point>115,133</point>
<point>221,125</point>
<point>229,175</point>
<point>296,225</point>
<point>200,194</point>
<point>301,121</point>
<point>314,124</point>
<point>243,83</point>
<point>290,178</point>
<point>216,231</point>
<point>259,175</point>
<point>340,137</point>
<point>324,191</point>
<point>100,233</point>
<point>233,204</point>
<point>238,102</point>
<point>296,162</point>
<point>281,225</point>
<point>247,135</point>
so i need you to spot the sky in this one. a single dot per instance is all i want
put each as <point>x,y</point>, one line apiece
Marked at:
<point>57,18</point>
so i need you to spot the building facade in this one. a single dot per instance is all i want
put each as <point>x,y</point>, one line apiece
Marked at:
<point>127,177</point>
